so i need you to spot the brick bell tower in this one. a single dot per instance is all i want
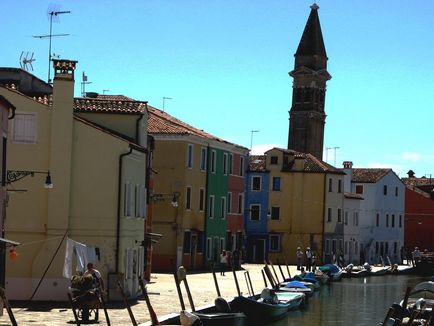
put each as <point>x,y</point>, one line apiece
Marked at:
<point>307,115</point>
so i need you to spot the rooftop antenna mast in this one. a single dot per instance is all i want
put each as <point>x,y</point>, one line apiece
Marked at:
<point>164,100</point>
<point>84,82</point>
<point>52,15</point>
<point>334,153</point>
<point>26,61</point>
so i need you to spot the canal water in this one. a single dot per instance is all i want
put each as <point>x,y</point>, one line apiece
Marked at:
<point>353,301</point>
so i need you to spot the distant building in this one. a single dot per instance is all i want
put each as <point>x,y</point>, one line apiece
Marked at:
<point>257,212</point>
<point>307,115</point>
<point>419,212</point>
<point>381,223</point>
<point>305,207</point>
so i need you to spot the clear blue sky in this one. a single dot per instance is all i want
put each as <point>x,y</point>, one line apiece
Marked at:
<point>219,59</point>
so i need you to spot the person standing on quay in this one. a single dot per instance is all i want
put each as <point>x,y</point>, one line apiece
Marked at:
<point>308,254</point>
<point>299,256</point>
<point>223,262</point>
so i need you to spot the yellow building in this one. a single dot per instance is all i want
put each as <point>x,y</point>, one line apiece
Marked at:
<point>297,203</point>
<point>96,154</point>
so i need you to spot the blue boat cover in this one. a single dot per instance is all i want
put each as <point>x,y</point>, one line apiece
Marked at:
<point>329,267</point>
<point>310,277</point>
<point>295,284</point>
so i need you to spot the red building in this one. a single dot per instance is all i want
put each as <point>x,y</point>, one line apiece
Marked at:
<point>419,217</point>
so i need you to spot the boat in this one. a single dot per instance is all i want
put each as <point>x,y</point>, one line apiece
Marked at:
<point>380,271</point>
<point>296,286</point>
<point>259,310</point>
<point>295,300</point>
<point>417,305</point>
<point>333,271</point>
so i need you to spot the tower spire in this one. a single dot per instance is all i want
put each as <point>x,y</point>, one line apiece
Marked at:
<point>307,115</point>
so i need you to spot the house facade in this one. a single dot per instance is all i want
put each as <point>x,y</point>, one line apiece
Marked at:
<point>419,213</point>
<point>204,173</point>
<point>298,189</point>
<point>381,223</point>
<point>99,193</point>
<point>256,212</point>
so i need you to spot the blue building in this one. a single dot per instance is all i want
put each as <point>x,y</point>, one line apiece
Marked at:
<point>256,210</point>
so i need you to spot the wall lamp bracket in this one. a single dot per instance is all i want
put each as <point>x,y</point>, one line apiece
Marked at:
<point>16,175</point>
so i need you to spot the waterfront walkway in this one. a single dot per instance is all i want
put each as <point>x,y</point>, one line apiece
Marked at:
<point>162,293</point>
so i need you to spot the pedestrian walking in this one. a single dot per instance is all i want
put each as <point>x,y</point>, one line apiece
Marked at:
<point>299,256</point>
<point>96,275</point>
<point>308,255</point>
<point>416,256</point>
<point>223,262</point>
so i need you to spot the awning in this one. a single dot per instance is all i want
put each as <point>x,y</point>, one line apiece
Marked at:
<point>9,242</point>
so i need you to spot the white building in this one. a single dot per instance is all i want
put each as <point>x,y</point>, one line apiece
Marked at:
<point>381,215</point>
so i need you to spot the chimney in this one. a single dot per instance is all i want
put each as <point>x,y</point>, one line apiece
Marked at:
<point>410,174</point>
<point>61,145</point>
<point>348,169</point>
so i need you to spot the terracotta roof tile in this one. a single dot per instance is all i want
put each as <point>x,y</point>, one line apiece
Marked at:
<point>312,163</point>
<point>369,175</point>
<point>257,163</point>
<point>418,181</point>
<point>161,123</point>
<point>114,97</point>
<point>87,104</point>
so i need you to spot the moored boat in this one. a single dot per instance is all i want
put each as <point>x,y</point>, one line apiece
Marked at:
<point>333,271</point>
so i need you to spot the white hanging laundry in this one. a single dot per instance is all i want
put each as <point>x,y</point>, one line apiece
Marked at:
<point>84,254</point>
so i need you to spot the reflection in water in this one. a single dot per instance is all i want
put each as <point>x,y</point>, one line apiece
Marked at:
<point>356,301</point>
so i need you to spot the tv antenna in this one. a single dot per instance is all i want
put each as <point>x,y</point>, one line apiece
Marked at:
<point>84,82</point>
<point>164,100</point>
<point>26,61</point>
<point>334,154</point>
<point>52,15</point>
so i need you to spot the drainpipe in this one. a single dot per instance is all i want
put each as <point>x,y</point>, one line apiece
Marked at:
<point>118,224</point>
<point>204,245</point>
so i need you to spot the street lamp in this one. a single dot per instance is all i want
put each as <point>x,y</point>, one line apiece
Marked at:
<point>15,175</point>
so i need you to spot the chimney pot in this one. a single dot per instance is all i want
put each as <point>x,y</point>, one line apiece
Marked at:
<point>348,164</point>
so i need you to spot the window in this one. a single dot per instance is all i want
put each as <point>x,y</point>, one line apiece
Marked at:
<point>393,220</point>
<point>276,183</point>
<point>256,183</point>
<point>240,203</point>
<point>140,201</point>
<point>213,161</point>
<point>229,206</point>
<point>376,247</point>
<point>346,248</point>
<point>24,128</point>
<point>203,158</point>
<point>346,218</point>
<point>334,245</point>
<point>356,248</point>
<point>225,163</point>
<point>274,160</point>
<point>327,246</point>
<point>187,242</point>
<point>201,199</point>
<point>384,190</point>
<point>339,215</point>
<point>274,242</point>
<point>223,208</point>
<point>329,214</point>
<point>341,245</point>
<point>222,244</point>
<point>330,185</point>
<point>359,189</point>
<point>190,156</point>
<point>208,248</point>
<point>400,221</point>
<point>275,213</point>
<point>339,186</point>
<point>211,207</point>
<point>255,210</point>
<point>188,198</point>
<point>241,166</point>
<point>396,191</point>
<point>356,218</point>
<point>377,221</point>
<point>387,220</point>
<point>128,200</point>
<point>395,247</point>
<point>231,163</point>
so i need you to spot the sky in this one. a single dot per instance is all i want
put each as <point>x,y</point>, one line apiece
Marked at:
<point>225,64</point>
